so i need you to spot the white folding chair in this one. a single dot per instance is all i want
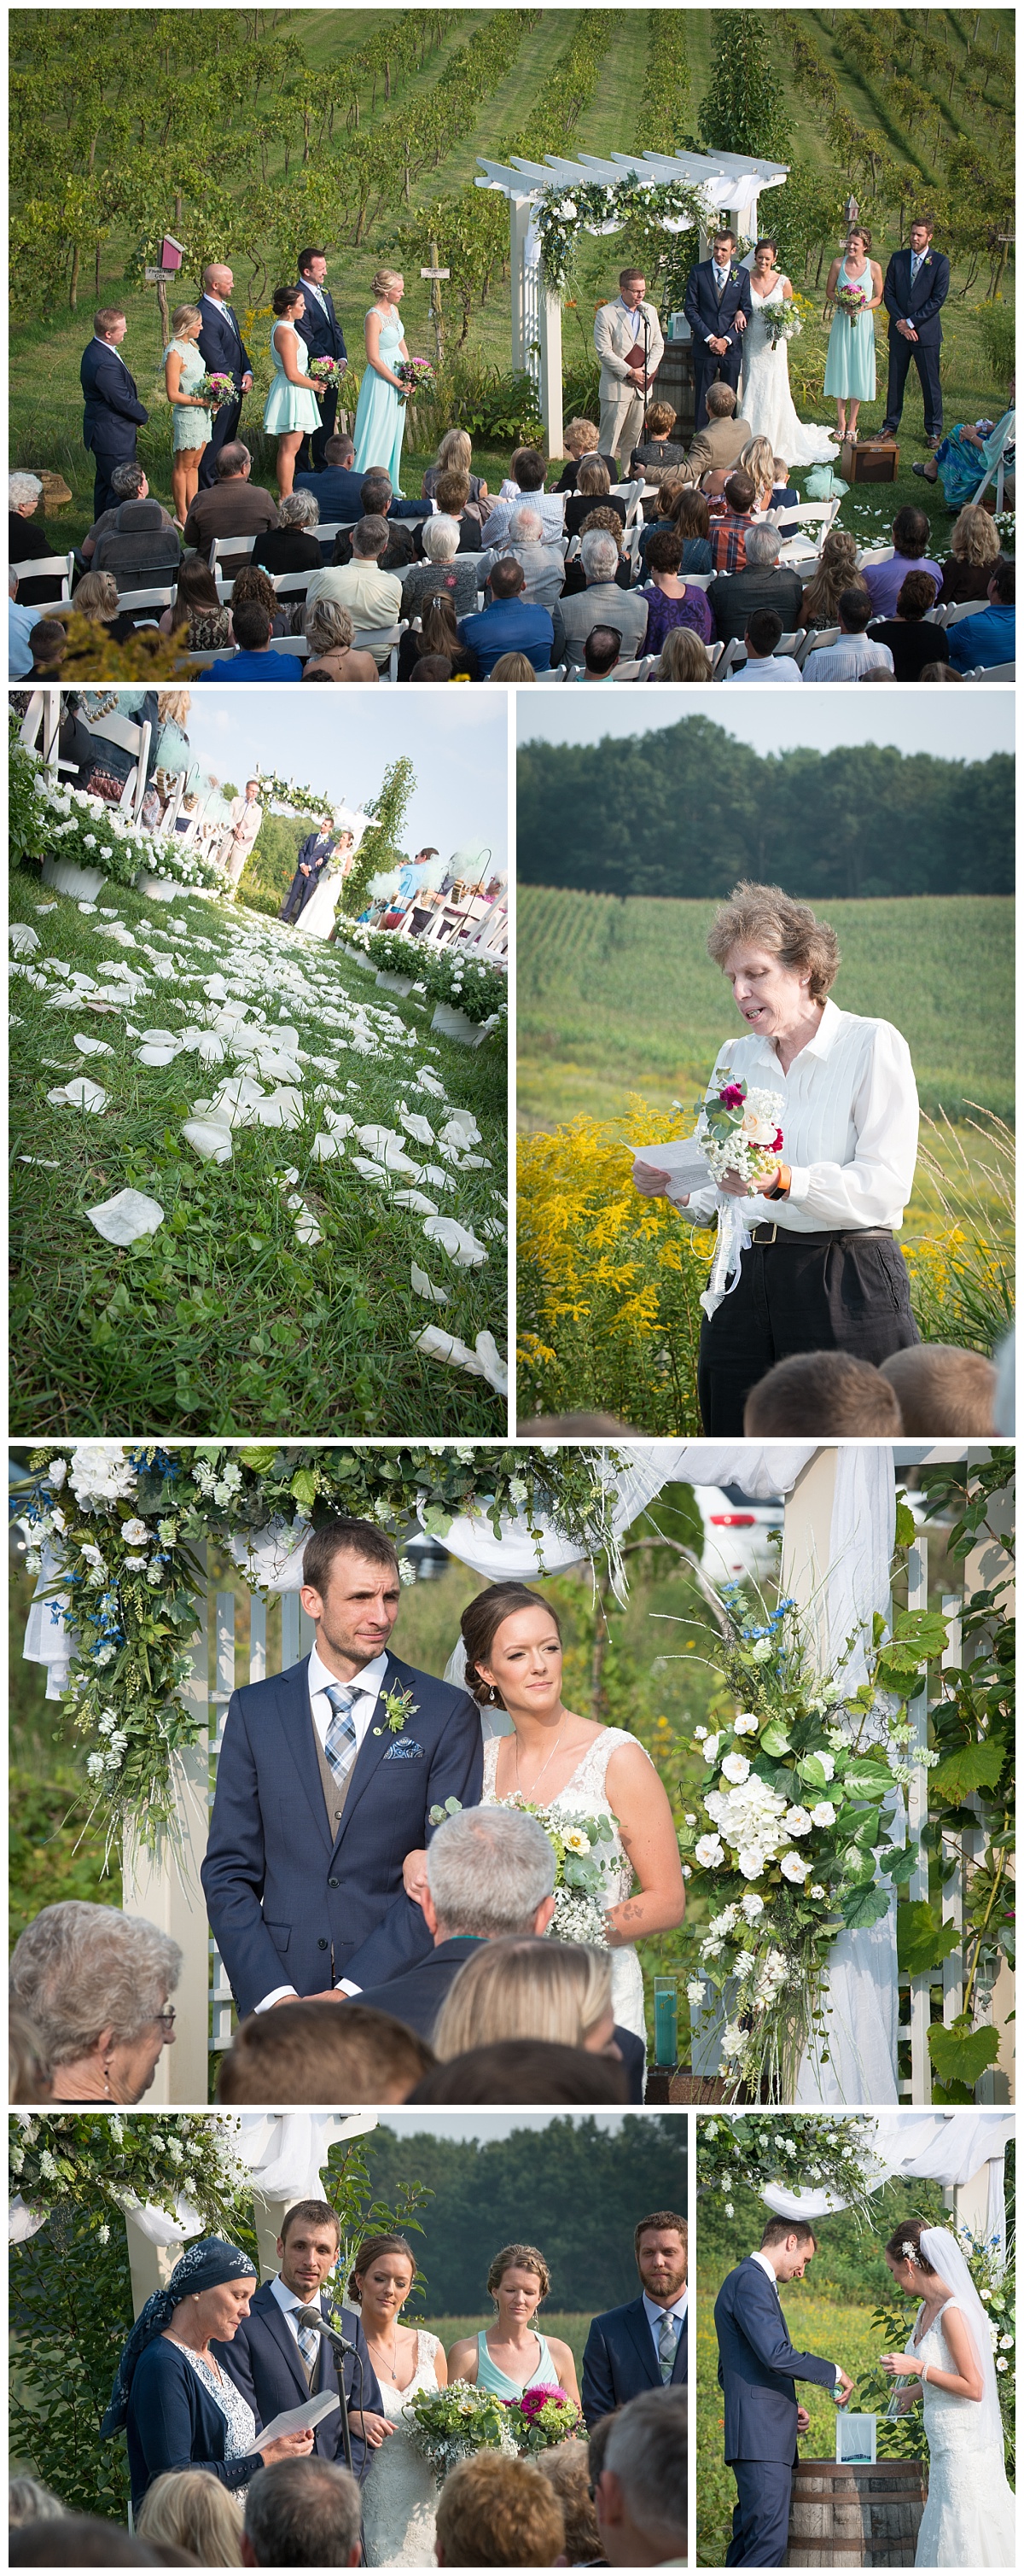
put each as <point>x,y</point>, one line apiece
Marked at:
<point>790,644</point>
<point>698,580</point>
<point>292,585</point>
<point>635,670</point>
<point>231,550</point>
<point>992,671</point>
<point>874,554</point>
<point>205,661</point>
<point>295,645</point>
<point>820,514</point>
<point>729,655</point>
<point>372,639</point>
<point>957,609</point>
<point>42,715</point>
<point>815,643</point>
<point>329,529</point>
<point>714,653</point>
<point>997,466</point>
<point>144,599</point>
<point>58,568</point>
<point>551,677</point>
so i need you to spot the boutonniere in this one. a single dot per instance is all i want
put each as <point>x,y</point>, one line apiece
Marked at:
<point>398,1706</point>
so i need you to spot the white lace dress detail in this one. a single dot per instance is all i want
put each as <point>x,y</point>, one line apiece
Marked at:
<point>969,2519</point>
<point>585,1795</point>
<point>399,2493</point>
<point>239,2420</point>
<point>765,397</point>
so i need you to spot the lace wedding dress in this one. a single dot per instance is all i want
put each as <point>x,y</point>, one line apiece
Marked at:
<point>969,2519</point>
<point>399,2492</point>
<point>765,398</point>
<point>316,919</point>
<point>584,1795</point>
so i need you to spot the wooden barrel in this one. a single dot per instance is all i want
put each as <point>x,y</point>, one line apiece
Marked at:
<point>853,2515</point>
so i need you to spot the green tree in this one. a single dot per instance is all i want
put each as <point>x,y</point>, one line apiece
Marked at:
<point>379,848</point>
<point>744,109</point>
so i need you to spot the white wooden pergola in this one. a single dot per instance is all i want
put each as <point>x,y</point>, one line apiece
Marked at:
<point>729,186</point>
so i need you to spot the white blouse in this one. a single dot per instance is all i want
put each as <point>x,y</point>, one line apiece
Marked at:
<point>849,1125</point>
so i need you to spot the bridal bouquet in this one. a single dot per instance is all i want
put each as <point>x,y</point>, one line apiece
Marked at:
<point>582,1888</point>
<point>852,301</point>
<point>738,1130</point>
<point>541,2417</point>
<point>215,391</point>
<point>448,2424</point>
<point>798,1844</point>
<point>416,376</point>
<point>781,322</point>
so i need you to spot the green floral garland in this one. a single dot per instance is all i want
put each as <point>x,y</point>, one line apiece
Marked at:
<point>563,214</point>
<point>299,800</point>
<point>77,2158</point>
<point>120,1526</point>
<point>830,2151</point>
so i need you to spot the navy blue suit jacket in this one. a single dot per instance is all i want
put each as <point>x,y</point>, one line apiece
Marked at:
<point>619,2360</point>
<point>338,490</point>
<point>174,2423</point>
<point>288,1907</point>
<point>758,2367</point>
<point>221,346</point>
<point>265,2363</point>
<point>703,311</point>
<point>322,332</point>
<point>921,303</point>
<point>416,1997</point>
<point>113,411</point>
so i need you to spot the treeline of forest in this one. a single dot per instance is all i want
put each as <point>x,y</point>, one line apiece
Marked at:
<point>687,811</point>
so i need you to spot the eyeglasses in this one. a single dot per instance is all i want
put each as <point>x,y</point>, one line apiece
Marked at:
<point>166,2021</point>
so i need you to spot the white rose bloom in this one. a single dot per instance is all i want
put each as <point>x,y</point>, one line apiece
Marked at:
<point>752,1906</point>
<point>708,1852</point>
<point>732,2040</point>
<point>1002,2365</point>
<point>695,1991</point>
<point>134,1564</point>
<point>736,1769</point>
<point>744,1725</point>
<point>711,1745</point>
<point>797,1820</point>
<point>794,1868</point>
<point>750,1859</point>
<point>823,1814</point>
<point>816,1891</point>
<point>700,1733</point>
<point>134,1532</point>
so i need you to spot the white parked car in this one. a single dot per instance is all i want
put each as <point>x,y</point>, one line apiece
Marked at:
<point>741,1536</point>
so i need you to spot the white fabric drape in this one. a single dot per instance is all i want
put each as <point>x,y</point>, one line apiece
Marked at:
<point>517,1556</point>
<point>286,2153</point>
<point>948,2147</point>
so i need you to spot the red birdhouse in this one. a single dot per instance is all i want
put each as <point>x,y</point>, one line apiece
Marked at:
<point>171,252</point>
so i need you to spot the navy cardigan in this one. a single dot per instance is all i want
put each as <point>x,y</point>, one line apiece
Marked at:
<point>173,2423</point>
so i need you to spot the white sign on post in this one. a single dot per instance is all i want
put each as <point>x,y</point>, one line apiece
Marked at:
<point>157,276</point>
<point>435,272</point>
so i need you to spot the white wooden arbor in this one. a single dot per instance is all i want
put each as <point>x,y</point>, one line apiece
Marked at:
<point>729,186</point>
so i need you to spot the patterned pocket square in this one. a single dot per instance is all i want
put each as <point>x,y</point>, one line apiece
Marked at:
<point>404,1749</point>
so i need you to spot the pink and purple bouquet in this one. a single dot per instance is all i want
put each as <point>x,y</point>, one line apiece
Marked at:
<point>416,376</point>
<point>739,1130</point>
<point>216,390</point>
<point>323,372</point>
<point>852,301</point>
<point>541,2417</point>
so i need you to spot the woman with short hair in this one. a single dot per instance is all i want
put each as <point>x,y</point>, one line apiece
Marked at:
<point>330,632</point>
<point>656,450</point>
<point>973,548</point>
<point>820,1267</point>
<point>671,601</point>
<point>682,657</point>
<point>291,546</point>
<point>580,439</point>
<point>93,1983</point>
<point>28,539</point>
<point>445,571</point>
<point>593,483</point>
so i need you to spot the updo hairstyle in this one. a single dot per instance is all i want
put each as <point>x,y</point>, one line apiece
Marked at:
<point>905,2245</point>
<point>528,2260</point>
<point>480,1623</point>
<point>368,2252</point>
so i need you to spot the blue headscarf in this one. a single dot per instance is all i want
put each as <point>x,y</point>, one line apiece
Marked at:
<point>205,2267</point>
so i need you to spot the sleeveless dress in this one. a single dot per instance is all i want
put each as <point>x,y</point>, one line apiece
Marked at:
<point>765,396</point>
<point>399,2491</point>
<point>240,2422</point>
<point>189,428</point>
<point>289,406</point>
<point>489,2376</point>
<point>850,370</point>
<point>380,414</point>
<point>584,1795</point>
<point>969,2519</point>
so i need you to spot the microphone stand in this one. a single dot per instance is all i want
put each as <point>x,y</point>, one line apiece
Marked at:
<point>340,2345</point>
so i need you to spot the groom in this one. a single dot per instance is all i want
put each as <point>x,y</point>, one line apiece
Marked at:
<point>757,2369</point>
<point>717,308</point>
<point>314,853</point>
<point>327,1778</point>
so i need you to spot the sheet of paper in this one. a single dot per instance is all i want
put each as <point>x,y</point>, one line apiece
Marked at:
<point>683,1160</point>
<point>299,2419</point>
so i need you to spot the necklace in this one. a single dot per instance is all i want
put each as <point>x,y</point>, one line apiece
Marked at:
<point>393,2373</point>
<point>551,1755</point>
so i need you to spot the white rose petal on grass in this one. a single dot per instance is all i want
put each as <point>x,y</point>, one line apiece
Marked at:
<point>79,1094</point>
<point>24,940</point>
<point>324,1147</point>
<point>416,1200</point>
<point>126,1218</point>
<point>372,1172</point>
<point>427,1081</point>
<point>211,1142</point>
<point>91,1046</point>
<point>419,1128</point>
<point>461,1130</point>
<point>457,1240</point>
<point>152,1054</point>
<point>424,1287</point>
<point>484,1362</point>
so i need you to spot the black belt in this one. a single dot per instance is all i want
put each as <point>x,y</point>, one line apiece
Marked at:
<point>764,1233</point>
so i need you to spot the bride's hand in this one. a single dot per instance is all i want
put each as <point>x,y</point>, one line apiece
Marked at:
<point>901,2365</point>
<point>414,1875</point>
<point>373,2429</point>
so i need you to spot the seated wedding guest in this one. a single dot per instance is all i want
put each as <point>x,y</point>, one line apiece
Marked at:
<point>317,2051</point>
<point>682,657</point>
<point>138,546</point>
<point>601,652</point>
<point>640,2495</point>
<point>77,2540</point>
<point>255,658</point>
<point>602,603</point>
<point>643,2344</point>
<point>171,2398</point>
<point>593,483</point>
<point>603,522</point>
<point>856,651</point>
<point>942,1391</point>
<point>671,600</point>
<point>381,501</point>
<point>96,599</point>
<point>940,671</point>
<point>543,565</point>
<point>452,496</point>
<point>20,622</point>
<point>127,483</point>
<point>48,645</point>
<point>883,581</point>
<point>973,547</point>
<point>433,666</point>
<point>761,582</point>
<point>579,439</point>
<point>443,570</point>
<point>517,2070</point>
<point>438,636</point>
<point>813,1388</point>
<point>729,532</point>
<point>785,495</point>
<point>193,2511</point>
<point>338,488</point>
<point>373,597</point>
<point>94,1985</point>
<point>27,538</point>
<point>690,517</point>
<point>232,506</point>
<point>507,624</point>
<point>252,583</point>
<point>27,2500</point>
<point>524,1989</point>
<point>982,642</point>
<point>909,640</point>
<point>835,571</point>
<point>656,449</point>
<point>198,615</point>
<point>764,661</point>
<point>967,455</point>
<point>662,516</point>
<point>302,2513</point>
<point>720,443</point>
<point>527,478</point>
<point>329,631</point>
<point>757,460</point>
<point>292,545</point>
<point>567,2469</point>
<point>513,667</point>
<point>496,2512</point>
<point>454,456</point>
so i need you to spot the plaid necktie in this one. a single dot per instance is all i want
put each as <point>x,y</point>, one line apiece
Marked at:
<point>309,2344</point>
<point>341,1733</point>
<point>669,2332</point>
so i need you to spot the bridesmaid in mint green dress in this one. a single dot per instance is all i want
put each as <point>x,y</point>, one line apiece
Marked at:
<point>192,426</point>
<point>511,2355</point>
<point>380,411</point>
<point>292,409</point>
<point>850,367</point>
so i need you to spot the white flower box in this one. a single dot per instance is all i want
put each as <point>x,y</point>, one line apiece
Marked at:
<point>69,878</point>
<point>160,889</point>
<point>454,1024</point>
<point>396,983</point>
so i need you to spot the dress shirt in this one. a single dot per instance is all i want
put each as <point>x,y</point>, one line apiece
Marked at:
<point>366,1689</point>
<point>721,278</point>
<point>112,352</point>
<point>656,2316</point>
<point>289,2305</point>
<point>766,2267</point>
<point>630,313</point>
<point>847,659</point>
<point>373,598</point>
<point>779,666</point>
<point>308,288</point>
<point>551,506</point>
<point>849,1124</point>
<point>728,538</point>
<point>20,622</point>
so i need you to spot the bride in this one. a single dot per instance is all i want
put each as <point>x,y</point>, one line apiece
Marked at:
<point>969,2519</point>
<point>316,919</point>
<point>550,1757</point>
<point>765,398</point>
<point>399,2493</point>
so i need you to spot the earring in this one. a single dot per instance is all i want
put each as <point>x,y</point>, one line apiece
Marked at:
<point>494,1693</point>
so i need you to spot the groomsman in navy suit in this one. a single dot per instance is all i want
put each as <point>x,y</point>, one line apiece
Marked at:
<point>717,308</point>
<point>644,2344</point>
<point>324,338</point>
<point>223,352</point>
<point>278,2363</point>
<point>915,290</point>
<point>113,413</point>
<point>757,2371</point>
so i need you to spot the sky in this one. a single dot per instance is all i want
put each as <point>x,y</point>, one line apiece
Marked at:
<point>455,738</point>
<point>484,2125</point>
<point>951,727</point>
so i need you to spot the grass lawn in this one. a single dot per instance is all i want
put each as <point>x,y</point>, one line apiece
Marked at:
<point>225,1321</point>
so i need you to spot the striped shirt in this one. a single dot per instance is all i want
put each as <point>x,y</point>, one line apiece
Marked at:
<point>728,538</point>
<point>849,1125</point>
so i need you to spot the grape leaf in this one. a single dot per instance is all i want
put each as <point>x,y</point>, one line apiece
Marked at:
<point>862,1906</point>
<point>922,1939</point>
<point>960,2055</point>
<point>972,1766</point>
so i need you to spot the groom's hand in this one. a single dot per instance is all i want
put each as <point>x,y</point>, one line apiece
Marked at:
<point>803,2421</point>
<point>844,2389</point>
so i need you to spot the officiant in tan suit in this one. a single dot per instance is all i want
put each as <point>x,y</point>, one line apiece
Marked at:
<point>628,338</point>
